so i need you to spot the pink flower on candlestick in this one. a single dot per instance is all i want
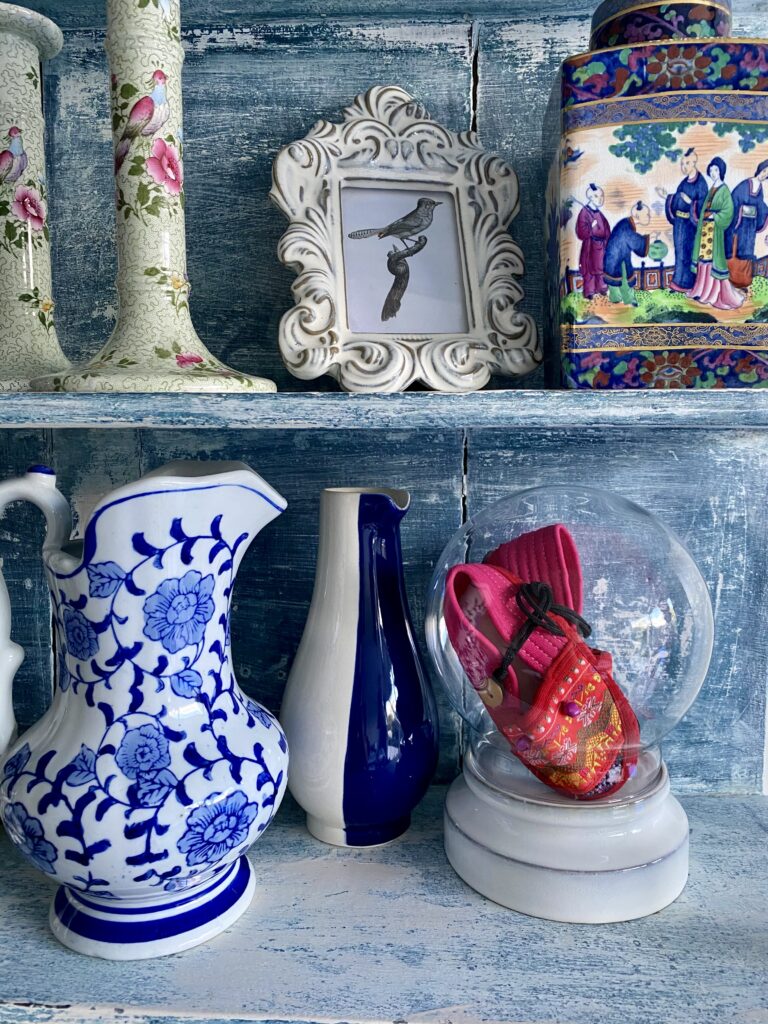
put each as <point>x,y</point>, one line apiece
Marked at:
<point>185,360</point>
<point>29,205</point>
<point>165,166</point>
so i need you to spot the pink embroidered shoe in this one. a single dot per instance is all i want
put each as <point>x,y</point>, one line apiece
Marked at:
<point>547,691</point>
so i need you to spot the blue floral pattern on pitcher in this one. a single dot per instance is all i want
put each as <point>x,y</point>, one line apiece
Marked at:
<point>216,829</point>
<point>179,610</point>
<point>27,833</point>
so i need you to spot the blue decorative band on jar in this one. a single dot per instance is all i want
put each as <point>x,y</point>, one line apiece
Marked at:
<point>619,22</point>
<point>624,71</point>
<point>668,369</point>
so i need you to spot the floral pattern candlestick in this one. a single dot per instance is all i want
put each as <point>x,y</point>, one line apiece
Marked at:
<point>30,346</point>
<point>154,346</point>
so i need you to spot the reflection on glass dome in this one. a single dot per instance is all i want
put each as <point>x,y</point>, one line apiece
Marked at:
<point>569,687</point>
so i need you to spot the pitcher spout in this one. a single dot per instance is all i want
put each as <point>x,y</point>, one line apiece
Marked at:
<point>200,492</point>
<point>207,475</point>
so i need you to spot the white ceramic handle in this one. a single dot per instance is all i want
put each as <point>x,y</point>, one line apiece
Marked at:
<point>38,485</point>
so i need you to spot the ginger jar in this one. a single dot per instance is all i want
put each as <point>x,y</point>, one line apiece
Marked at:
<point>657,226</point>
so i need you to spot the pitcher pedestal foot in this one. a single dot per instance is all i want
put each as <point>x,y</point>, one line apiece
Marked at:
<point>121,930</point>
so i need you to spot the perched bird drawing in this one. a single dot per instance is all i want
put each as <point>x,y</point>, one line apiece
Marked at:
<point>408,228</point>
<point>397,265</point>
<point>13,161</point>
<point>147,117</point>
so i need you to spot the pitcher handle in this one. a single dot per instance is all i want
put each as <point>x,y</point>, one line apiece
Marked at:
<point>38,486</point>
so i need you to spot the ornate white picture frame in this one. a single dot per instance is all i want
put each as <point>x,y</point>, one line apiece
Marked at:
<point>406,272</point>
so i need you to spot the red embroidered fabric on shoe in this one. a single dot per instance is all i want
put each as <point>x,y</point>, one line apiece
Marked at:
<point>557,703</point>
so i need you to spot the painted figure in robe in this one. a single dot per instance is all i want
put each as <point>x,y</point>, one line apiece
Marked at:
<point>625,240</point>
<point>712,286</point>
<point>683,210</point>
<point>750,218</point>
<point>593,229</point>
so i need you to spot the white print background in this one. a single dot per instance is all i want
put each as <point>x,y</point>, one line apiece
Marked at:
<point>434,302</point>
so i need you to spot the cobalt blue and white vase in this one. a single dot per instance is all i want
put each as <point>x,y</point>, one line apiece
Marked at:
<point>358,709</point>
<point>150,775</point>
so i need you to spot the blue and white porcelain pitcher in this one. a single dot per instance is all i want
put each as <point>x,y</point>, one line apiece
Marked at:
<point>150,775</point>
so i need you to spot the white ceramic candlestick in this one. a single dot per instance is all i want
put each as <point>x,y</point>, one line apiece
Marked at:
<point>29,343</point>
<point>154,346</point>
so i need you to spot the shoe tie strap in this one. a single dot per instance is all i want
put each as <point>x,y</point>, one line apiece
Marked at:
<point>537,602</point>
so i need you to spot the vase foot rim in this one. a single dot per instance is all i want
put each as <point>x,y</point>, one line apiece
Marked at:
<point>363,837</point>
<point>126,930</point>
<point>151,381</point>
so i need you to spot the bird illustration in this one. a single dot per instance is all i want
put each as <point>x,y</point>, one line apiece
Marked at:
<point>407,228</point>
<point>13,161</point>
<point>147,117</point>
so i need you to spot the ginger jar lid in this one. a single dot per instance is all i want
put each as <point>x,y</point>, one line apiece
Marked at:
<point>626,22</point>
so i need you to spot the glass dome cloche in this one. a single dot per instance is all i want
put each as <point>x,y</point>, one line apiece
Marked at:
<point>572,631</point>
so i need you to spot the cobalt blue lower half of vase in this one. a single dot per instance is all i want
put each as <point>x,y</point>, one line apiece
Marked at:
<point>137,930</point>
<point>392,735</point>
<point>377,834</point>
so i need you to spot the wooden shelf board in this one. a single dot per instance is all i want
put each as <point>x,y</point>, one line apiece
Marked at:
<point>491,410</point>
<point>392,934</point>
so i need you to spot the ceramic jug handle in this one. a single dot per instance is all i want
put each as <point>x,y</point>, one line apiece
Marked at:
<point>38,486</point>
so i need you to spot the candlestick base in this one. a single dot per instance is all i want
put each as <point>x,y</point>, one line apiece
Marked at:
<point>206,376</point>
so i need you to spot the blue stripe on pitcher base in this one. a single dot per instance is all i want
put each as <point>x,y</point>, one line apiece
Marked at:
<point>115,907</point>
<point>108,925</point>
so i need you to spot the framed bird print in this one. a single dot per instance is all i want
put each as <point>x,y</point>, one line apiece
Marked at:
<point>406,272</point>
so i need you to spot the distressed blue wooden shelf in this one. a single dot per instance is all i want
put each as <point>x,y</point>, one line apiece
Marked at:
<point>394,935</point>
<point>689,410</point>
<point>236,13</point>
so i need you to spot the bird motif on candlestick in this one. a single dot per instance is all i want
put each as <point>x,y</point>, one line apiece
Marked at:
<point>147,117</point>
<point>13,161</point>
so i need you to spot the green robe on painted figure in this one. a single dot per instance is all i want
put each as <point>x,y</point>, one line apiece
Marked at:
<point>719,202</point>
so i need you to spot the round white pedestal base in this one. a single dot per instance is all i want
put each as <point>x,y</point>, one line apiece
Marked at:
<point>585,863</point>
